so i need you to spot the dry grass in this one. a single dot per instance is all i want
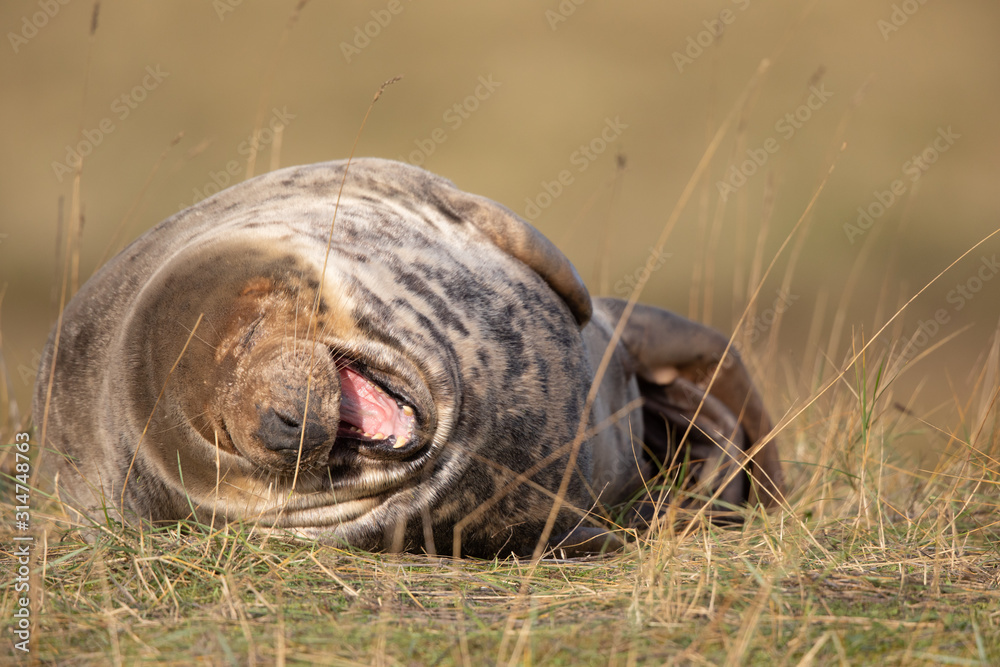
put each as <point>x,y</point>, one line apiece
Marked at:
<point>874,561</point>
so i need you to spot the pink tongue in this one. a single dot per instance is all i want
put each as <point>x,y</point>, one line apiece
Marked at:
<point>365,406</point>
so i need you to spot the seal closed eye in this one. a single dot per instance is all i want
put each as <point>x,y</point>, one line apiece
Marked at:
<point>418,387</point>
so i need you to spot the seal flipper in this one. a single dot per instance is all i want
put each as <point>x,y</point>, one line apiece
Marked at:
<point>675,359</point>
<point>706,451</point>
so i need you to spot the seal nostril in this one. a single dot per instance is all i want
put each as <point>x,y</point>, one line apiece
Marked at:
<point>281,432</point>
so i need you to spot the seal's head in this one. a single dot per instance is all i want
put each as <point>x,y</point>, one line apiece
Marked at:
<point>275,385</point>
<point>284,403</point>
<point>277,396</point>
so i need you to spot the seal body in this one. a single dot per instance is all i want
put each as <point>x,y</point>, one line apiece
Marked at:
<point>383,360</point>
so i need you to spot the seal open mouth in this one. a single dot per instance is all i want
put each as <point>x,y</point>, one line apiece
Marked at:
<point>368,413</point>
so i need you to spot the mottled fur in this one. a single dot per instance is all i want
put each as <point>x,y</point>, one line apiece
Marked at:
<point>449,301</point>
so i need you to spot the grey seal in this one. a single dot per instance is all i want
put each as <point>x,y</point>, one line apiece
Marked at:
<point>395,365</point>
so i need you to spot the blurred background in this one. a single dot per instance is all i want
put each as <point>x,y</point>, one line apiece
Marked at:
<point>589,119</point>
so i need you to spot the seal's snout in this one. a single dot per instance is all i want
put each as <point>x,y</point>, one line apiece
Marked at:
<point>280,431</point>
<point>267,417</point>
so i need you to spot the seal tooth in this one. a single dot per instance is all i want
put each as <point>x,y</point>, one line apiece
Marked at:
<point>379,436</point>
<point>401,442</point>
<point>407,410</point>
